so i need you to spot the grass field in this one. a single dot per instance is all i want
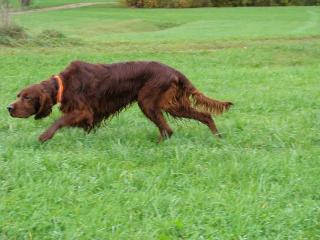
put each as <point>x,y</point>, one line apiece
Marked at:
<point>261,181</point>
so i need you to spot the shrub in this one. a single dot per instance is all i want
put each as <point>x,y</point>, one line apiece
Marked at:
<point>16,36</point>
<point>51,34</point>
<point>215,3</point>
<point>25,3</point>
<point>53,38</point>
<point>11,35</point>
<point>13,31</point>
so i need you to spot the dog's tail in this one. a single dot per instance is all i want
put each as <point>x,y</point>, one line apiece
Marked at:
<point>199,100</point>
<point>211,105</point>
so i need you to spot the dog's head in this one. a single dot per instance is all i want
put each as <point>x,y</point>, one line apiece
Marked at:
<point>32,100</point>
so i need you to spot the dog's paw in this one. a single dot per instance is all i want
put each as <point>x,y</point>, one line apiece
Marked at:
<point>45,136</point>
<point>218,135</point>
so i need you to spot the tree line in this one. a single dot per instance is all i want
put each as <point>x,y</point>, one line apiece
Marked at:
<point>5,11</point>
<point>216,3</point>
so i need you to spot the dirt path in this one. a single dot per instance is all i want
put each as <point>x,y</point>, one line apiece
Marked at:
<point>67,6</point>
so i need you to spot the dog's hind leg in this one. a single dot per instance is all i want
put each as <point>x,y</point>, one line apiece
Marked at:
<point>155,115</point>
<point>191,113</point>
<point>148,101</point>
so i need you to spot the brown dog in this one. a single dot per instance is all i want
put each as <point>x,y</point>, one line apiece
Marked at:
<point>90,93</point>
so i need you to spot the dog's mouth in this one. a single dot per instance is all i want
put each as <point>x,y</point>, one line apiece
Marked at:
<point>15,115</point>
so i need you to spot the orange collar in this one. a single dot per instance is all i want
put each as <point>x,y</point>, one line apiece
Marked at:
<point>60,88</point>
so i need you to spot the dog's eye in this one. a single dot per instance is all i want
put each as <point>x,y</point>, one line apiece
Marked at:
<point>26,97</point>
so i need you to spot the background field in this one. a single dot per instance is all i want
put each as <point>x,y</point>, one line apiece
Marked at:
<point>261,181</point>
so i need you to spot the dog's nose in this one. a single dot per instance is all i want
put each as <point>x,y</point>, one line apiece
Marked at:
<point>10,108</point>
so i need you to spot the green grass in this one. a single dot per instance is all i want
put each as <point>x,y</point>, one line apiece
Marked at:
<point>261,181</point>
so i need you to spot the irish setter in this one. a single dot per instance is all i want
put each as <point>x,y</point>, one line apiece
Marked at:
<point>89,93</point>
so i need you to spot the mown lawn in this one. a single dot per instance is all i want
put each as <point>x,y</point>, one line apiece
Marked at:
<point>261,181</point>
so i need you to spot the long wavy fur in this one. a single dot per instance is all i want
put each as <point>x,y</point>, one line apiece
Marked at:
<point>209,105</point>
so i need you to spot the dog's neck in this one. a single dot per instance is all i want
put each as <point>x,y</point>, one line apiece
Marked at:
<point>52,88</point>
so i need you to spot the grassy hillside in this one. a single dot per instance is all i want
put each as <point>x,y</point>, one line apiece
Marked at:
<point>261,181</point>
<point>162,25</point>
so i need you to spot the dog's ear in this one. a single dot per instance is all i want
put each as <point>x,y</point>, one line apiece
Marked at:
<point>44,105</point>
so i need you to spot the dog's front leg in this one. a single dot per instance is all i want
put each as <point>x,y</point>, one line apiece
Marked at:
<point>68,119</point>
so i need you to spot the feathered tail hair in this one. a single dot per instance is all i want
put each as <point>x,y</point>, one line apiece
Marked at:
<point>210,105</point>
<point>199,100</point>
